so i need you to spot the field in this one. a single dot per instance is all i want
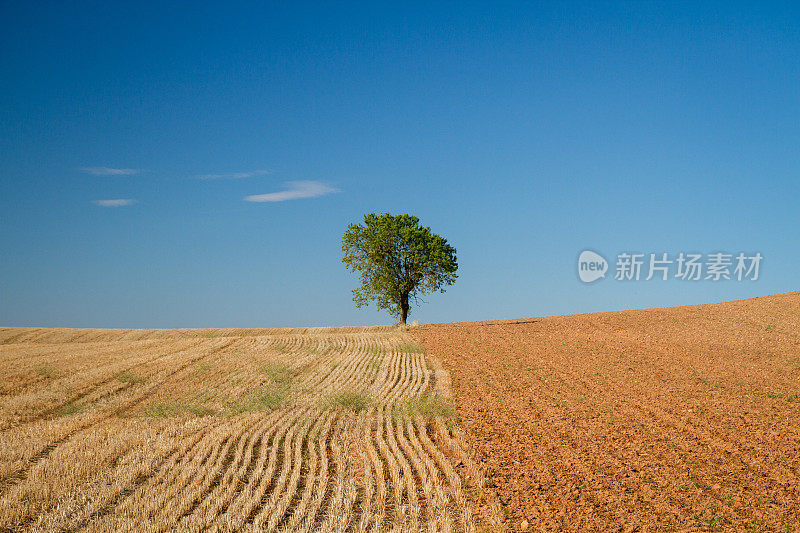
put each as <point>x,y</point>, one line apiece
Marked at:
<point>348,429</point>
<point>674,419</point>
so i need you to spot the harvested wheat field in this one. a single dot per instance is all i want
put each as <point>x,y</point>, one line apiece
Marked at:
<point>669,419</point>
<point>347,429</point>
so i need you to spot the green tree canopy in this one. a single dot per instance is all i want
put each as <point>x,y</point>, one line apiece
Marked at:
<point>398,260</point>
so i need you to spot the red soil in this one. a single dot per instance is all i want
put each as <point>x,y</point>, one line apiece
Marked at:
<point>683,418</point>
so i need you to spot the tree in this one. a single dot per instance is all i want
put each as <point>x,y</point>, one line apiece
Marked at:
<point>398,260</point>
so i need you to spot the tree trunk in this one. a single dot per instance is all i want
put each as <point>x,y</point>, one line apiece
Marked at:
<point>403,307</point>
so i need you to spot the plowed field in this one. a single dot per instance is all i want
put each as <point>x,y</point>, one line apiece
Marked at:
<point>669,419</point>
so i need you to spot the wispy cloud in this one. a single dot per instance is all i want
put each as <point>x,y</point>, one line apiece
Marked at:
<point>117,202</point>
<point>295,191</point>
<point>234,175</point>
<point>107,171</point>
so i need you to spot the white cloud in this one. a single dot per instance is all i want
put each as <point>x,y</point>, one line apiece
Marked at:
<point>106,171</point>
<point>117,202</point>
<point>295,191</point>
<point>234,175</point>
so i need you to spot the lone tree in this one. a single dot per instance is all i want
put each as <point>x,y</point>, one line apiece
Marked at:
<point>398,260</point>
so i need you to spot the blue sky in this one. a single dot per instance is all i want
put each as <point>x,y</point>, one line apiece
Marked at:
<point>133,135</point>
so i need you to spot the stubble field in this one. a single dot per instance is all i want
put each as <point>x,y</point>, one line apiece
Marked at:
<point>347,429</point>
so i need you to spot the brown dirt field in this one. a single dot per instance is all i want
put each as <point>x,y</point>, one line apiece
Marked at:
<point>671,419</point>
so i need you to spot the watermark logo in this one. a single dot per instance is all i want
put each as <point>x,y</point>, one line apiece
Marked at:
<point>631,266</point>
<point>591,266</point>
